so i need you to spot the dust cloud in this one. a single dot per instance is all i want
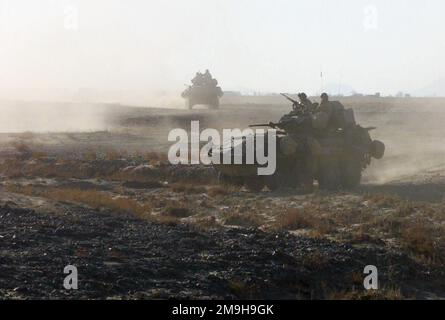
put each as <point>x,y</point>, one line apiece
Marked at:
<point>414,137</point>
<point>86,110</point>
<point>51,117</point>
<point>412,129</point>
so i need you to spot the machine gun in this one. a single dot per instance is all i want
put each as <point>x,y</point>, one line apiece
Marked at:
<point>297,106</point>
<point>270,124</point>
<point>290,99</point>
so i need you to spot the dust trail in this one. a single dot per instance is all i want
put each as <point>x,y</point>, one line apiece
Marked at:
<point>414,138</point>
<point>51,117</point>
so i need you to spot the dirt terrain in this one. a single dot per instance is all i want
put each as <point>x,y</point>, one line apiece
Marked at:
<point>107,201</point>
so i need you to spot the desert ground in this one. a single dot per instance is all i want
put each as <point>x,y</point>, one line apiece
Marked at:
<point>92,187</point>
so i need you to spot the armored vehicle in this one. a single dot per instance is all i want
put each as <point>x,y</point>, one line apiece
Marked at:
<point>204,90</point>
<point>309,147</point>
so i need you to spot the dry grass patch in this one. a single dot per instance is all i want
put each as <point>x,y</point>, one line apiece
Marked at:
<point>113,155</point>
<point>242,219</point>
<point>93,198</point>
<point>205,223</point>
<point>384,200</point>
<point>381,294</point>
<point>293,219</point>
<point>100,200</point>
<point>167,220</point>
<point>312,218</point>
<point>90,155</point>
<point>143,184</point>
<point>405,209</point>
<point>420,239</point>
<point>187,188</point>
<point>24,151</point>
<point>316,261</point>
<point>360,236</point>
<point>154,157</point>
<point>242,290</point>
<point>177,211</point>
<point>222,190</point>
<point>218,191</point>
<point>384,224</point>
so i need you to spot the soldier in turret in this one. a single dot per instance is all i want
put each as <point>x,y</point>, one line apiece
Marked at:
<point>198,79</point>
<point>325,105</point>
<point>304,101</point>
<point>207,77</point>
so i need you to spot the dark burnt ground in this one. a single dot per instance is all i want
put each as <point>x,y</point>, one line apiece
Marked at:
<point>123,257</point>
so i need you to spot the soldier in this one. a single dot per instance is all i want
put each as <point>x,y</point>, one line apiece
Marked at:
<point>324,98</point>
<point>325,105</point>
<point>198,79</point>
<point>207,77</point>
<point>305,102</point>
<point>325,117</point>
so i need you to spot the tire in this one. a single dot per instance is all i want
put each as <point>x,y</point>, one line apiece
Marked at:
<point>254,184</point>
<point>329,175</point>
<point>351,174</point>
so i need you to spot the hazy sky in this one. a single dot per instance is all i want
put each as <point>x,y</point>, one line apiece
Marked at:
<point>257,45</point>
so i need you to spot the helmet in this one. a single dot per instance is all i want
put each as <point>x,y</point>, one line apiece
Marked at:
<point>324,95</point>
<point>302,95</point>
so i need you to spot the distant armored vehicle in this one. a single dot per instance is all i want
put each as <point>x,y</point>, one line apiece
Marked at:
<point>310,147</point>
<point>204,90</point>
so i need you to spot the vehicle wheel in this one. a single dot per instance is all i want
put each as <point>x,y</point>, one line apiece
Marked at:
<point>329,175</point>
<point>254,184</point>
<point>351,174</point>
